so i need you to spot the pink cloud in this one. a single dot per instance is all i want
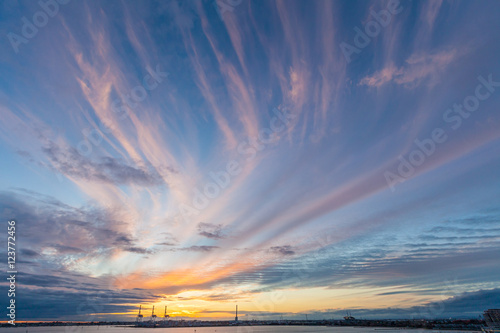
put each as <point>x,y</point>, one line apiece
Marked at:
<point>381,77</point>
<point>418,67</point>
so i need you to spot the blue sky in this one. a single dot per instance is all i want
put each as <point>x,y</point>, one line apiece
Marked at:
<point>164,153</point>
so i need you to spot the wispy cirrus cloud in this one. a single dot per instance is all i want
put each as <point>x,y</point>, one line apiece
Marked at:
<point>308,214</point>
<point>111,170</point>
<point>418,68</point>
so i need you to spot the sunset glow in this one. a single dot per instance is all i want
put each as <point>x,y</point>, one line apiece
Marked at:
<point>275,155</point>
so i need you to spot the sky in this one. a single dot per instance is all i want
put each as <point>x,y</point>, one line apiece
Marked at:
<point>291,157</point>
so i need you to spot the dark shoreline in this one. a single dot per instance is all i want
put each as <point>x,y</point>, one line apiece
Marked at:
<point>436,324</point>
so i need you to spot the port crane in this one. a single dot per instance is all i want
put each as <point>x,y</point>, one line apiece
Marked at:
<point>153,316</point>
<point>139,316</point>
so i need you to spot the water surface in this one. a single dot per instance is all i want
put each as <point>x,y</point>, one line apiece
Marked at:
<point>227,329</point>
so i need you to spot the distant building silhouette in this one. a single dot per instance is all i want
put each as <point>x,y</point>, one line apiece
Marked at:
<point>348,316</point>
<point>492,318</point>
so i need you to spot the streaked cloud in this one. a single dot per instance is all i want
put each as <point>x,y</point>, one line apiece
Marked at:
<point>309,215</point>
<point>416,69</point>
<point>210,230</point>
